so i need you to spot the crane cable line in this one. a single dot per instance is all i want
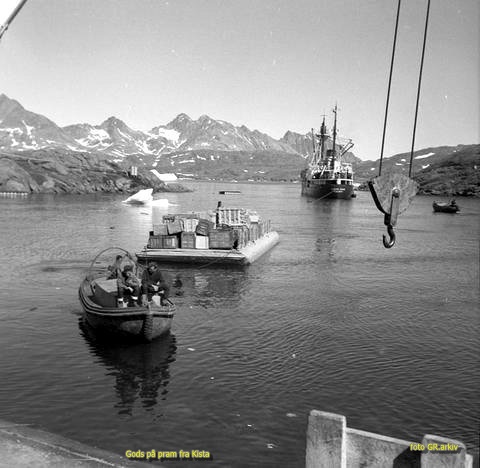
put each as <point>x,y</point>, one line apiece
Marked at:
<point>394,192</point>
<point>390,84</point>
<point>389,87</point>
<point>4,27</point>
<point>418,88</point>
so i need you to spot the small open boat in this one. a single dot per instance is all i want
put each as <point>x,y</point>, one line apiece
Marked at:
<point>98,296</point>
<point>451,207</point>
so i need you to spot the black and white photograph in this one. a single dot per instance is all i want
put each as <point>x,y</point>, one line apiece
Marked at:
<point>240,233</point>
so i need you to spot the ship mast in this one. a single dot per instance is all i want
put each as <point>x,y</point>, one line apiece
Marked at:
<point>334,137</point>
<point>323,135</point>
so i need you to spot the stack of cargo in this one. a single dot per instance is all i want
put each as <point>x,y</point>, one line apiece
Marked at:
<point>223,229</point>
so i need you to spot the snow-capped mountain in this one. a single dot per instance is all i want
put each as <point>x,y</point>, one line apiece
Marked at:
<point>207,133</point>
<point>112,137</point>
<point>22,130</point>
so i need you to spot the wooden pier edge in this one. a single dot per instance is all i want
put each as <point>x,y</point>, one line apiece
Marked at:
<point>331,444</point>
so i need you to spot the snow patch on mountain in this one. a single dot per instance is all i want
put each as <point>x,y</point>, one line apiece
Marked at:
<point>124,135</point>
<point>169,134</point>
<point>424,156</point>
<point>144,147</point>
<point>12,131</point>
<point>29,128</point>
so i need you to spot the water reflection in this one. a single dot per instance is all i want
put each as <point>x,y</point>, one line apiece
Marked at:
<point>208,286</point>
<point>335,227</point>
<point>141,370</point>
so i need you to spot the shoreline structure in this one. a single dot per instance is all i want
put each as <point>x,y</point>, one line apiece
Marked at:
<point>329,443</point>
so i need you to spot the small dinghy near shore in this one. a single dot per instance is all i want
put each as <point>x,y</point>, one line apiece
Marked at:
<point>451,207</point>
<point>99,298</point>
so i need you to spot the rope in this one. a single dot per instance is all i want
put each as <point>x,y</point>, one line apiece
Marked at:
<point>321,198</point>
<point>419,85</point>
<point>389,86</point>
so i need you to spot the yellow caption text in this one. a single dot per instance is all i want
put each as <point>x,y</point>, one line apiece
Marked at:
<point>168,454</point>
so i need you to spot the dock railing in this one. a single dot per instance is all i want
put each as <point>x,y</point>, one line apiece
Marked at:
<point>331,444</point>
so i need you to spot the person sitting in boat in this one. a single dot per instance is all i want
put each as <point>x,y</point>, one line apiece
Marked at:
<point>453,202</point>
<point>153,282</point>
<point>129,286</point>
<point>115,269</point>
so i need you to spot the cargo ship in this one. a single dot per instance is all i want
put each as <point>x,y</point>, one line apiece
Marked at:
<point>327,174</point>
<point>222,236</point>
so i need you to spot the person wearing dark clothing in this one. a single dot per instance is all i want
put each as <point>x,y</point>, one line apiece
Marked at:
<point>129,286</point>
<point>153,282</point>
<point>115,269</point>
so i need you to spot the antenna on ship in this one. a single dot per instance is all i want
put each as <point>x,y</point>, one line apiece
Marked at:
<point>4,27</point>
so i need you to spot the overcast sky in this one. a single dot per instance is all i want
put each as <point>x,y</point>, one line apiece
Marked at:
<point>272,65</point>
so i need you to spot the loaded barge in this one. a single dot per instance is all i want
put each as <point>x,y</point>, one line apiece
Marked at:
<point>224,236</point>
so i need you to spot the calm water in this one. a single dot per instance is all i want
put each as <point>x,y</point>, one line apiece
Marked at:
<point>328,320</point>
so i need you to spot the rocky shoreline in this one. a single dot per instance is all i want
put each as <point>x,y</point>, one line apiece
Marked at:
<point>60,172</point>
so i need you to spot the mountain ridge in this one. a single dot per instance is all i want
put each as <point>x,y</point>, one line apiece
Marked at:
<point>115,138</point>
<point>206,149</point>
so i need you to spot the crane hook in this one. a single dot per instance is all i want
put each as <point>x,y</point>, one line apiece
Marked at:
<point>391,233</point>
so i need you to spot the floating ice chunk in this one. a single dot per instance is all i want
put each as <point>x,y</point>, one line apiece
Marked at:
<point>160,202</point>
<point>140,198</point>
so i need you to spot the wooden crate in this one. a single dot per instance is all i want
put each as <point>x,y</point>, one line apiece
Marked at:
<point>204,227</point>
<point>170,242</point>
<point>189,224</point>
<point>187,240</point>
<point>174,227</point>
<point>201,242</point>
<point>253,232</point>
<point>155,242</point>
<point>240,234</point>
<point>160,229</point>
<point>221,238</point>
<point>163,242</point>
<point>229,216</point>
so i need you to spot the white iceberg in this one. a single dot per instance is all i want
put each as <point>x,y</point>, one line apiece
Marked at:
<point>142,197</point>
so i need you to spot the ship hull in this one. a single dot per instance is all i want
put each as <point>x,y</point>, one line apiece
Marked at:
<point>316,188</point>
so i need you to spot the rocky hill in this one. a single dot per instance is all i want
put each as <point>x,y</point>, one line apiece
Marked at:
<point>61,171</point>
<point>34,146</point>
<point>443,170</point>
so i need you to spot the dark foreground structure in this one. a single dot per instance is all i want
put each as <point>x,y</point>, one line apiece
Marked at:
<point>23,446</point>
<point>331,444</point>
